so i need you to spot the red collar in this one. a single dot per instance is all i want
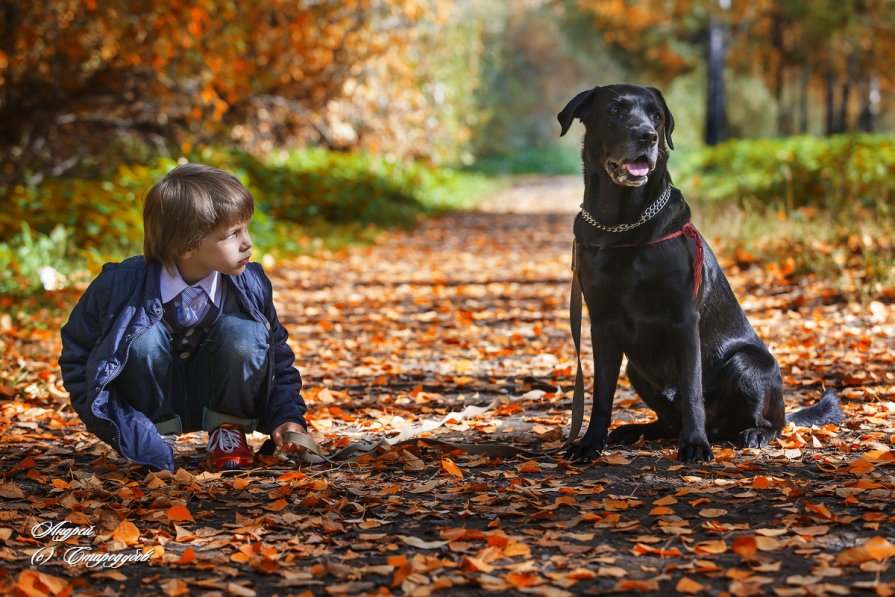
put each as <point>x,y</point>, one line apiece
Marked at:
<point>689,231</point>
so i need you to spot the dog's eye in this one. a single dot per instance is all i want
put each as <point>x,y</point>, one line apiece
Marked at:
<point>657,116</point>
<point>613,111</point>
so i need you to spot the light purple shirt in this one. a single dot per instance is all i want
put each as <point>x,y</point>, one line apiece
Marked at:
<point>173,285</point>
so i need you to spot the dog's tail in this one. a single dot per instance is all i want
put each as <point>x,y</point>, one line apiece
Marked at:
<point>825,411</point>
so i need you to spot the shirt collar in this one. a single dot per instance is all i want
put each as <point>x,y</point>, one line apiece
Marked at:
<point>173,285</point>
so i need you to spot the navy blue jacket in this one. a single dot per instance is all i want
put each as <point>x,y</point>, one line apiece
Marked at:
<point>122,303</point>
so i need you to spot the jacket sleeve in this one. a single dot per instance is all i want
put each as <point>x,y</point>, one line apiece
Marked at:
<point>79,336</point>
<point>285,403</point>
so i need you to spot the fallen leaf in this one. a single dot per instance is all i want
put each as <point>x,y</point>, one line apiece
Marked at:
<point>179,514</point>
<point>126,532</point>
<point>448,465</point>
<point>687,585</point>
<point>419,543</point>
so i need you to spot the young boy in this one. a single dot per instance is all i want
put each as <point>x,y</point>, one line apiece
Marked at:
<point>185,337</point>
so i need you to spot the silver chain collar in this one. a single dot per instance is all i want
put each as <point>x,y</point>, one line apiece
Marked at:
<point>648,214</point>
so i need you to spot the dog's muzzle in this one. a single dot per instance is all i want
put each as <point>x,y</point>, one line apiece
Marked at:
<point>630,172</point>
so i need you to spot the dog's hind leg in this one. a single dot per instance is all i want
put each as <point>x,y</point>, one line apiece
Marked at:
<point>662,402</point>
<point>752,413</point>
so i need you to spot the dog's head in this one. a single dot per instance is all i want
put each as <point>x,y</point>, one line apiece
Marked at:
<point>625,127</point>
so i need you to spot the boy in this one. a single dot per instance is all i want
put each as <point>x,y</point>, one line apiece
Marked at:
<point>185,337</point>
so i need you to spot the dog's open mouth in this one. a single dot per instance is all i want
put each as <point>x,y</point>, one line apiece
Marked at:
<point>639,167</point>
<point>630,172</point>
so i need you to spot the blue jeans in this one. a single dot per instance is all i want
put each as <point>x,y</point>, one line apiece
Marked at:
<point>219,385</point>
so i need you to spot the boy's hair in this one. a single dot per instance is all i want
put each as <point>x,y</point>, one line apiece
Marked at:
<point>186,205</point>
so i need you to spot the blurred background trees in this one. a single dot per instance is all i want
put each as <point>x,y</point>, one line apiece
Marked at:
<point>84,83</point>
<point>379,103</point>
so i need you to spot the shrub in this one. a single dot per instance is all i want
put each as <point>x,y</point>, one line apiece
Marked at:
<point>325,193</point>
<point>32,261</point>
<point>836,174</point>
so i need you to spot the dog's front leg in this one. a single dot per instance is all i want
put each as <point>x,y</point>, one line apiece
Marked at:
<point>693,444</point>
<point>607,365</point>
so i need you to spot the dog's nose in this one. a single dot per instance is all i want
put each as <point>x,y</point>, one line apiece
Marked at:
<point>647,135</point>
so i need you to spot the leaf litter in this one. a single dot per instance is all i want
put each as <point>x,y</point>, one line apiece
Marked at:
<point>469,310</point>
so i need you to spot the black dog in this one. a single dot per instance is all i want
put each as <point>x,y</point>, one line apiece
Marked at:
<point>656,293</point>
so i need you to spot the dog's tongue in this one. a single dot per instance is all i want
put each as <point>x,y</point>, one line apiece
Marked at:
<point>637,168</point>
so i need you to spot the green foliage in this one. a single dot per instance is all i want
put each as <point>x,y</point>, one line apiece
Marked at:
<point>837,173</point>
<point>301,196</point>
<point>31,261</point>
<point>557,159</point>
<point>309,186</point>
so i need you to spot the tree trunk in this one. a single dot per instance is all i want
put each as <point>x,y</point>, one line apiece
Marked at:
<point>783,119</point>
<point>830,128</point>
<point>870,99</point>
<point>715,118</point>
<point>846,98</point>
<point>803,99</point>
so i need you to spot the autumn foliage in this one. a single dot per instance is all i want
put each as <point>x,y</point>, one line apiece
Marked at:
<point>76,76</point>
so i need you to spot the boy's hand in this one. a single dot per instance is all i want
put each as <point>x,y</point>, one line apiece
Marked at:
<point>290,448</point>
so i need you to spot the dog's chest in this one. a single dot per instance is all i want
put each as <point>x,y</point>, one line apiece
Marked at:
<point>636,283</point>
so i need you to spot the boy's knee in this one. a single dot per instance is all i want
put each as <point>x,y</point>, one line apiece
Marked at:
<point>152,346</point>
<point>240,340</point>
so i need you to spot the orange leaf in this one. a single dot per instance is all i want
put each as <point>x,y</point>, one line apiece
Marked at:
<point>188,556</point>
<point>642,549</point>
<point>626,586</point>
<point>522,580</point>
<point>448,465</point>
<point>761,482</point>
<point>745,547</point>
<point>33,583</point>
<point>879,548</point>
<point>529,466</point>
<point>516,548</point>
<point>820,509</point>
<point>126,532</point>
<point>240,483</point>
<point>686,585</point>
<point>661,511</point>
<point>291,475</point>
<point>712,547</point>
<point>277,505</point>
<point>179,514</point>
<point>471,564</point>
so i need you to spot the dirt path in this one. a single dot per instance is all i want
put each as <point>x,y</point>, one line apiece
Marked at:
<point>471,310</point>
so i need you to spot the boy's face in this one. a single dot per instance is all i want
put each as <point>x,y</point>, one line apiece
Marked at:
<point>226,249</point>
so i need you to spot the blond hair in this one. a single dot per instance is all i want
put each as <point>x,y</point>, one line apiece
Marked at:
<point>186,205</point>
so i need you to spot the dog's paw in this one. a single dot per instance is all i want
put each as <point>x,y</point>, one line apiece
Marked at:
<point>696,450</point>
<point>585,450</point>
<point>755,437</point>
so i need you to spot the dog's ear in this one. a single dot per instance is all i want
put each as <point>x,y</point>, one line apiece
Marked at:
<point>669,119</point>
<point>579,107</point>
